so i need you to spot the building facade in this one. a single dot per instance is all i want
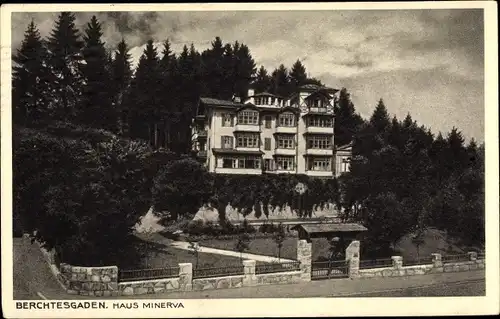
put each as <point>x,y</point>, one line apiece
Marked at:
<point>267,133</point>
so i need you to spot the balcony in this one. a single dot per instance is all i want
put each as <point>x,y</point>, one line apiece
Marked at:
<point>202,154</point>
<point>286,129</point>
<point>319,152</point>
<point>247,128</point>
<point>319,173</point>
<point>285,151</point>
<point>202,134</point>
<point>318,130</point>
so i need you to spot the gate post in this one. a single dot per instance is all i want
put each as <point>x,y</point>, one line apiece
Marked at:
<point>304,256</point>
<point>352,258</point>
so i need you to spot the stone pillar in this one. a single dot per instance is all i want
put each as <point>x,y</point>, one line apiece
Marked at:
<point>472,255</point>
<point>304,256</point>
<point>437,261</point>
<point>186,276</point>
<point>397,262</point>
<point>352,258</point>
<point>249,279</point>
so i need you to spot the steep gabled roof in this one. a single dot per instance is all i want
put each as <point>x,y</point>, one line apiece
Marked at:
<point>216,102</point>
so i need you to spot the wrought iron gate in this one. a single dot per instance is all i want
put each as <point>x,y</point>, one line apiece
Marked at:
<point>329,269</point>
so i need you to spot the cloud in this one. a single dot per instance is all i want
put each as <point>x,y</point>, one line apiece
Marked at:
<point>373,53</point>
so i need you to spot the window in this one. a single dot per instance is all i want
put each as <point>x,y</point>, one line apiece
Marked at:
<point>320,121</point>
<point>320,142</point>
<point>268,165</point>
<point>286,119</point>
<point>267,121</point>
<point>226,141</point>
<point>227,119</point>
<point>252,162</point>
<point>267,144</point>
<point>258,101</point>
<point>248,117</point>
<point>285,163</point>
<point>228,162</point>
<point>319,164</point>
<point>247,140</point>
<point>286,141</point>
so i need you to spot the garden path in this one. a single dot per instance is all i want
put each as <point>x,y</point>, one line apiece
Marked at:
<point>185,245</point>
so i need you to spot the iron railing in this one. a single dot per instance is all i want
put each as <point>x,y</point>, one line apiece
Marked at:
<point>148,274</point>
<point>218,272</point>
<point>276,267</point>
<point>375,263</point>
<point>455,258</point>
<point>329,269</point>
<point>480,255</point>
<point>418,261</point>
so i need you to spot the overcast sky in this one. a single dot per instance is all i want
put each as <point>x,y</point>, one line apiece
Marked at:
<point>429,63</point>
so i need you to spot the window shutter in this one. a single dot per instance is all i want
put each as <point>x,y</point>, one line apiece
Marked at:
<point>222,142</point>
<point>267,144</point>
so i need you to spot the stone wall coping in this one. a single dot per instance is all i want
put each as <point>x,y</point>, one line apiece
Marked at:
<point>219,278</point>
<point>86,267</point>
<point>163,280</point>
<point>418,266</point>
<point>295,272</point>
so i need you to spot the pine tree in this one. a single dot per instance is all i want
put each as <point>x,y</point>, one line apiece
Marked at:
<point>213,72</point>
<point>121,72</point>
<point>347,122</point>
<point>30,80</point>
<point>65,47</point>
<point>244,70</point>
<point>262,81</point>
<point>298,76</point>
<point>280,80</point>
<point>380,118</point>
<point>97,110</point>
<point>145,95</point>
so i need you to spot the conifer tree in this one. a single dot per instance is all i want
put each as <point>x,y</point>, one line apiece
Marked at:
<point>121,73</point>
<point>262,81</point>
<point>97,109</point>
<point>298,75</point>
<point>65,48</point>
<point>347,121</point>
<point>244,70</point>
<point>31,95</point>
<point>280,80</point>
<point>380,118</point>
<point>145,99</point>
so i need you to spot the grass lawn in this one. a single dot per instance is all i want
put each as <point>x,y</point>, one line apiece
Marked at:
<point>267,246</point>
<point>172,257</point>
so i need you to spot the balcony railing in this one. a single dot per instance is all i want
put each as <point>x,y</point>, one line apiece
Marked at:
<point>202,133</point>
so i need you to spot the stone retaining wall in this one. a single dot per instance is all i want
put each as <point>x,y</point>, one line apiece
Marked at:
<point>148,286</point>
<point>90,281</point>
<point>437,266</point>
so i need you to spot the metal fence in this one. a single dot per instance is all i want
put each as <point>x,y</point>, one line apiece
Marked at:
<point>147,274</point>
<point>218,272</point>
<point>418,261</point>
<point>455,258</point>
<point>375,263</point>
<point>329,269</point>
<point>276,267</point>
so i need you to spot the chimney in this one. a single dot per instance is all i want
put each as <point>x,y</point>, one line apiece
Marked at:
<point>237,99</point>
<point>251,92</point>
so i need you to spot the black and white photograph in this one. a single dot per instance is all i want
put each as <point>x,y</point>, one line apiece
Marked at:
<point>156,160</point>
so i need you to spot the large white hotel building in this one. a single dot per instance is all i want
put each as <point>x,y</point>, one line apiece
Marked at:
<point>270,134</point>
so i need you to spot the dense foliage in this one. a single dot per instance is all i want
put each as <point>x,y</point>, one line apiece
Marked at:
<point>79,197</point>
<point>403,180</point>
